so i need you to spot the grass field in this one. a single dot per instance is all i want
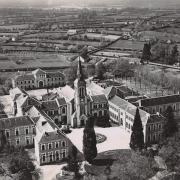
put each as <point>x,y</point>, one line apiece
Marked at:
<point>43,61</point>
<point>127,45</point>
<point>16,26</point>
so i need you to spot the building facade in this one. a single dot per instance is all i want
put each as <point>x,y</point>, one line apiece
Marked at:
<point>123,113</point>
<point>160,104</point>
<point>51,147</point>
<point>19,131</point>
<point>38,79</point>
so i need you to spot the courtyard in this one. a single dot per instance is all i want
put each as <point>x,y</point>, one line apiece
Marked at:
<point>116,138</point>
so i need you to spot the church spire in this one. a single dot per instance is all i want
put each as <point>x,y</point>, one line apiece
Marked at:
<point>79,69</point>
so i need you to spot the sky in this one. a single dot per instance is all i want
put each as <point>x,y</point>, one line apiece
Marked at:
<point>108,3</point>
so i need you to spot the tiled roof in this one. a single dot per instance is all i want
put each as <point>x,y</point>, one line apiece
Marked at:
<point>128,107</point>
<point>38,71</point>
<point>160,100</point>
<point>14,122</point>
<point>49,96</point>
<point>25,77</point>
<point>54,74</point>
<point>50,105</point>
<point>61,101</point>
<point>99,98</point>
<point>110,91</point>
<point>156,118</point>
<point>52,136</point>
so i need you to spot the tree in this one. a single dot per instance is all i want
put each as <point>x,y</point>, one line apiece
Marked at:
<point>70,74</point>
<point>72,161</point>
<point>123,68</point>
<point>146,52</point>
<point>174,55</point>
<point>89,141</point>
<point>100,70</point>
<point>137,136</point>
<point>170,127</point>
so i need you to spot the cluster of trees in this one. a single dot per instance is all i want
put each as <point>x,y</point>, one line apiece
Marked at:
<point>162,52</point>
<point>19,164</point>
<point>160,79</point>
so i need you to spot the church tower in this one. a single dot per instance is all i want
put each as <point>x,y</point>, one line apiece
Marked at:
<point>81,100</point>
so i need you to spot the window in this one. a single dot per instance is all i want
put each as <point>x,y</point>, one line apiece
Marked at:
<point>56,144</point>
<point>43,157</point>
<point>63,144</point>
<point>17,132</point>
<point>95,106</point>
<point>7,133</point>
<point>27,130</point>
<point>63,152</point>
<point>63,110</point>
<point>100,113</point>
<point>50,156</point>
<point>105,112</point>
<point>27,140</point>
<point>100,105</point>
<point>49,146</point>
<point>57,155</point>
<point>43,147</point>
<point>17,141</point>
<point>95,114</point>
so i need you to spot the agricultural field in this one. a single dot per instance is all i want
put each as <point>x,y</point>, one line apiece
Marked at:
<point>127,45</point>
<point>42,61</point>
<point>15,26</point>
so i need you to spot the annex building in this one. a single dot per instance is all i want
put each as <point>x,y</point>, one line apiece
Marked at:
<point>38,79</point>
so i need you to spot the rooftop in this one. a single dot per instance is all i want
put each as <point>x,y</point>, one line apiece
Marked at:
<point>14,122</point>
<point>52,136</point>
<point>99,98</point>
<point>160,100</point>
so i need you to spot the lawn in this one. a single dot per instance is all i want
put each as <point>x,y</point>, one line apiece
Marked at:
<point>116,138</point>
<point>127,45</point>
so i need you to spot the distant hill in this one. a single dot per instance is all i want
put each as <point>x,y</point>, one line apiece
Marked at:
<point>99,3</point>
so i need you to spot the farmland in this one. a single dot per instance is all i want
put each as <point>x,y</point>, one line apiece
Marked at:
<point>127,45</point>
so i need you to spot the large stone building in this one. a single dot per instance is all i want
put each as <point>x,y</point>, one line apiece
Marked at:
<point>19,131</point>
<point>51,147</point>
<point>38,79</point>
<point>123,113</point>
<point>160,104</point>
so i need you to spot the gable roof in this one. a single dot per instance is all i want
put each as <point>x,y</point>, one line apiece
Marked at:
<point>52,104</point>
<point>61,101</point>
<point>14,122</point>
<point>99,98</point>
<point>129,108</point>
<point>51,136</point>
<point>160,100</point>
<point>38,71</point>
